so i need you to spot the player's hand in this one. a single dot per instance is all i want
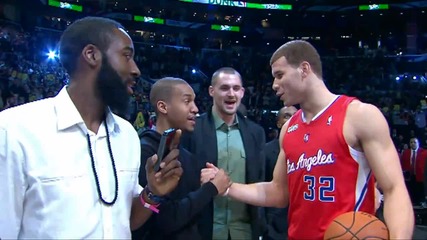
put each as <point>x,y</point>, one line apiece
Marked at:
<point>165,181</point>
<point>208,173</point>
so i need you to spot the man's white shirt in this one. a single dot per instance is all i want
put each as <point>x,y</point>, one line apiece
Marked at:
<point>48,188</point>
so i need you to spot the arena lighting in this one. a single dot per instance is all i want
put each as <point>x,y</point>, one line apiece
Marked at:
<point>225,28</point>
<point>230,3</point>
<point>373,7</point>
<point>414,77</point>
<point>69,6</point>
<point>137,18</point>
<point>51,55</point>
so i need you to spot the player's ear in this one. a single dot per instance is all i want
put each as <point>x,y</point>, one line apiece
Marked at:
<point>304,69</point>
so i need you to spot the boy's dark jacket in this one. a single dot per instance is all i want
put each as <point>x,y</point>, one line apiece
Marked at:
<point>178,216</point>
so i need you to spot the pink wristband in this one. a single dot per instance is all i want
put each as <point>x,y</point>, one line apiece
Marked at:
<point>152,207</point>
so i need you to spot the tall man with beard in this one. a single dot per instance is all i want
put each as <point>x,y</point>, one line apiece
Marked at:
<point>225,138</point>
<point>71,171</point>
<point>173,101</point>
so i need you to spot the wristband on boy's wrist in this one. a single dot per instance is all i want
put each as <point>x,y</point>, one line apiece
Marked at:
<point>152,197</point>
<point>152,207</point>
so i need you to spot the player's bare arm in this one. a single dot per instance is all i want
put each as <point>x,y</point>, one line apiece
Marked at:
<point>366,129</point>
<point>266,194</point>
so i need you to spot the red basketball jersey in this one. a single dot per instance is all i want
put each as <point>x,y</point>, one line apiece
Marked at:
<point>326,177</point>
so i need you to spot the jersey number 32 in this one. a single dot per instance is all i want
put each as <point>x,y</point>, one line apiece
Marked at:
<point>321,187</point>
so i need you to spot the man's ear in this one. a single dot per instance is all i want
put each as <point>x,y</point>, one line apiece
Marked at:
<point>243,92</point>
<point>162,107</point>
<point>92,55</point>
<point>211,91</point>
<point>305,69</point>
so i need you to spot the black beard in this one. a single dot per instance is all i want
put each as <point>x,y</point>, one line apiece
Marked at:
<point>112,89</point>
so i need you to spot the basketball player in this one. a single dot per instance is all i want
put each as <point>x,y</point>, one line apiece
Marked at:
<point>330,151</point>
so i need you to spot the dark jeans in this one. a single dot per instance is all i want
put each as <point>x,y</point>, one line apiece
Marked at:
<point>415,189</point>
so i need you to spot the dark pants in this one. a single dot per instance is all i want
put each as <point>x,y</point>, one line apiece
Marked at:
<point>415,189</point>
<point>380,212</point>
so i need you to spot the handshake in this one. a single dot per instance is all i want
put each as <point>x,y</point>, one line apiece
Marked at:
<point>217,177</point>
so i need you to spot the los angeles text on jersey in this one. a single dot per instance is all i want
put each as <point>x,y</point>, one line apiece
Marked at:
<point>307,162</point>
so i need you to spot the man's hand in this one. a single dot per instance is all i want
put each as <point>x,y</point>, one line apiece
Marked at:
<point>218,177</point>
<point>165,181</point>
<point>208,173</point>
<point>221,181</point>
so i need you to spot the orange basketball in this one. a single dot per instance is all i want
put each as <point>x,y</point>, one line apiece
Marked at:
<point>356,225</point>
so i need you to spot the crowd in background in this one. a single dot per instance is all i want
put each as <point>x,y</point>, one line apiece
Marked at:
<point>27,74</point>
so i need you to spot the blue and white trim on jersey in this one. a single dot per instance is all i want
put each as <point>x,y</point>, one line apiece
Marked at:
<point>363,176</point>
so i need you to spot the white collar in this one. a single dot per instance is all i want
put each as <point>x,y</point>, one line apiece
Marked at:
<point>68,115</point>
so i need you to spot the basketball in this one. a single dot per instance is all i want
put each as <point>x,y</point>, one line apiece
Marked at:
<point>356,225</point>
